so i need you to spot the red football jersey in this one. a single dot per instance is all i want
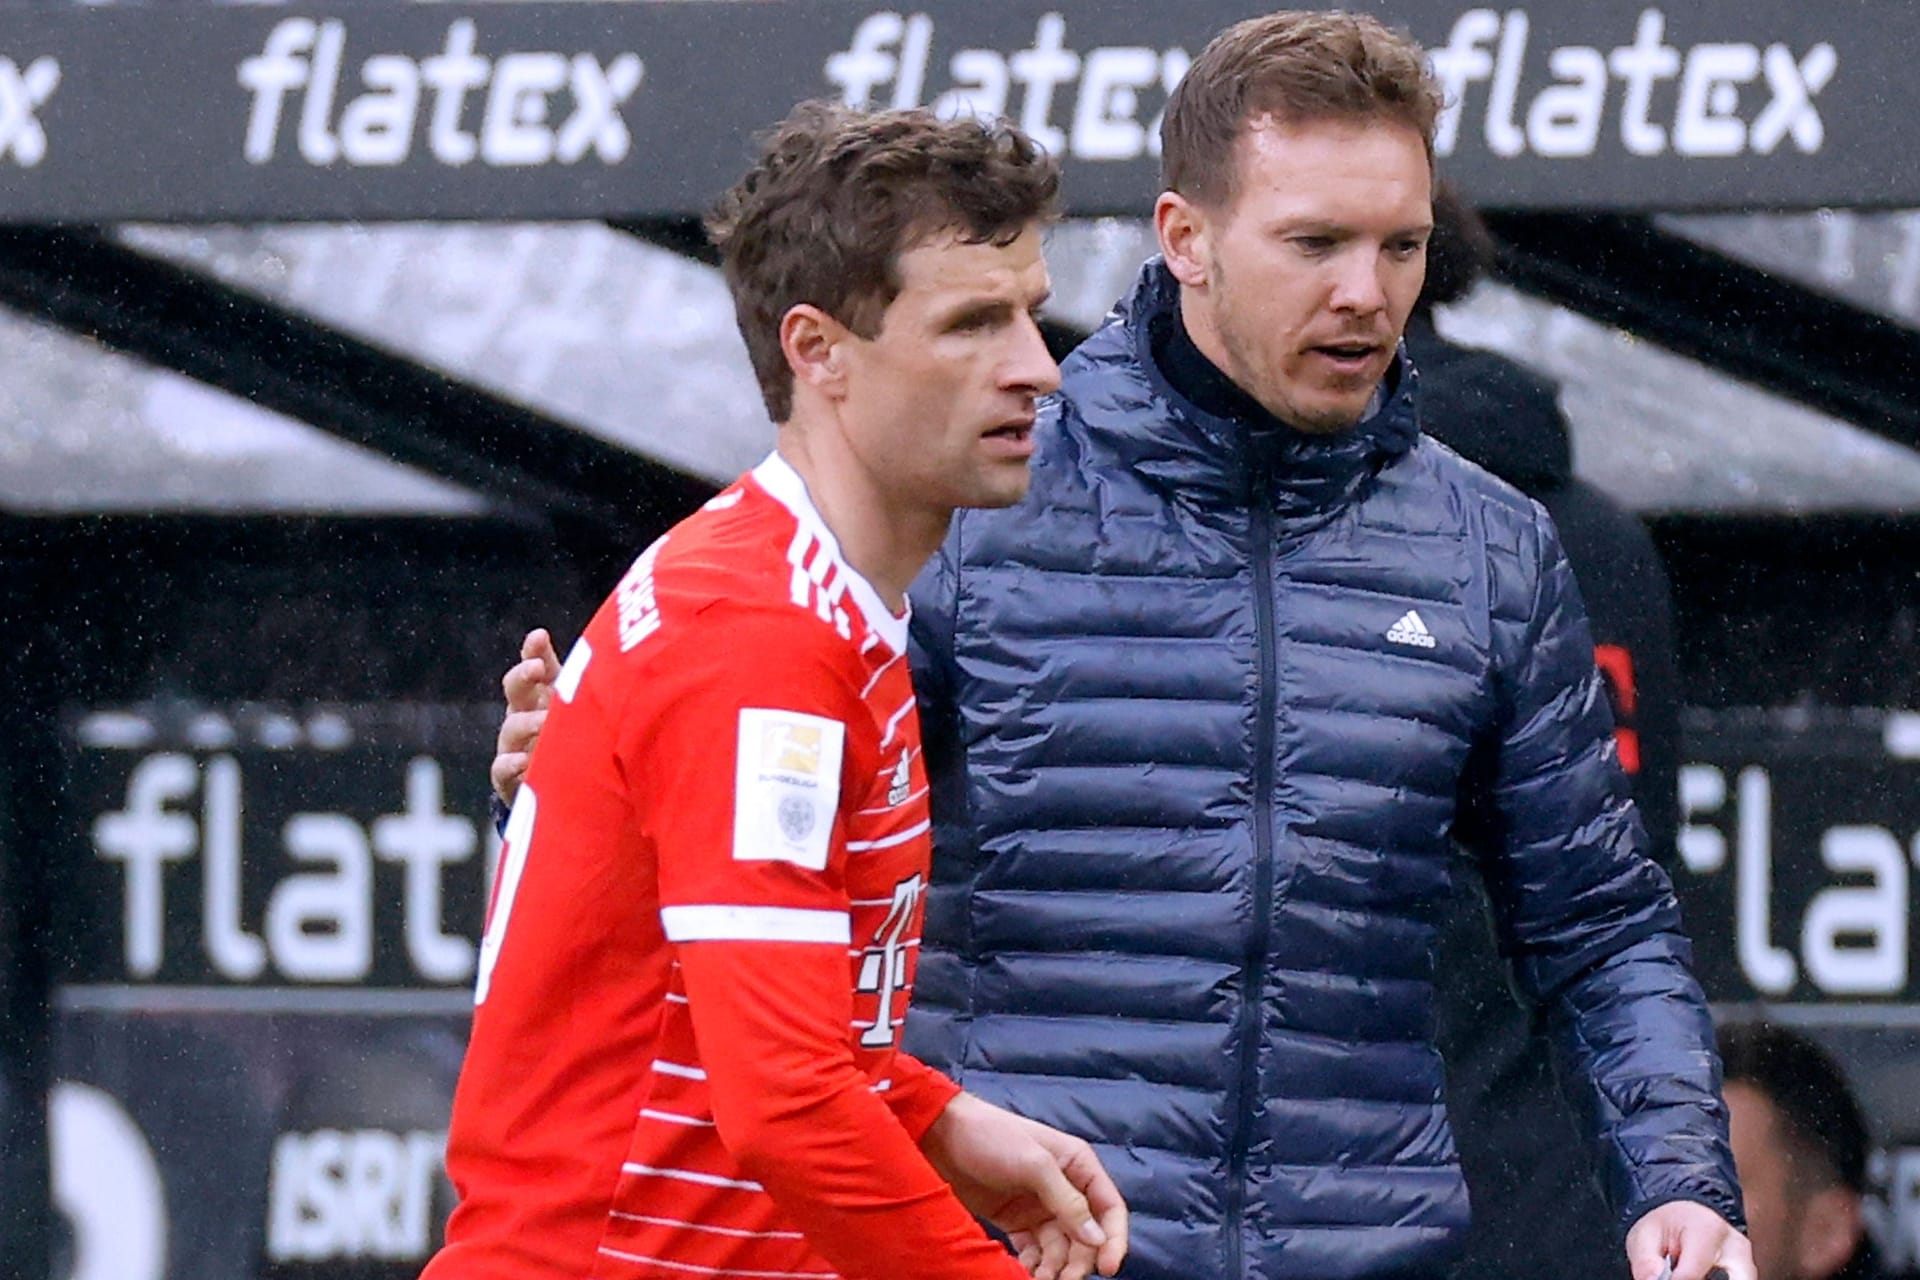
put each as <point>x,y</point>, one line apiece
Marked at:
<point>703,936</point>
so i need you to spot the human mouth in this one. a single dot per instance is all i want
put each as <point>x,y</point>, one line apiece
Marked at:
<point>1013,439</point>
<point>1353,358</point>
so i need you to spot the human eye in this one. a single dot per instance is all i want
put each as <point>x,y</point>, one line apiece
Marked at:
<point>977,320</point>
<point>1314,246</point>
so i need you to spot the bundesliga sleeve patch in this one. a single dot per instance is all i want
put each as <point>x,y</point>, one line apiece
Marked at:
<point>786,786</point>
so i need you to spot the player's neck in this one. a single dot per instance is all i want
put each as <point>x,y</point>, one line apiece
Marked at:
<point>885,538</point>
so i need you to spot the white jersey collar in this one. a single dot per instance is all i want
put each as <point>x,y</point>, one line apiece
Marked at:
<point>777,476</point>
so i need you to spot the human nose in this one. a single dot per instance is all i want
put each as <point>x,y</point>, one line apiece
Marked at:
<point>1030,368</point>
<point>1359,281</point>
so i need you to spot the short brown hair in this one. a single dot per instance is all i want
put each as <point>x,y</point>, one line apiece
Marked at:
<point>1296,67</point>
<point>837,195</point>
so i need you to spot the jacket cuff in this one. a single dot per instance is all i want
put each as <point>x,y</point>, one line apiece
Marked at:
<point>1728,1207</point>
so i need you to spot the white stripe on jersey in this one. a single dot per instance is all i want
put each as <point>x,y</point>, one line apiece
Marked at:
<point>879,671</point>
<point>691,1175</point>
<point>678,1069</point>
<point>784,485</point>
<point>893,723</point>
<point>720,1271</point>
<point>884,842</point>
<point>671,1117</point>
<point>575,666</point>
<point>735,1232</point>
<point>723,923</point>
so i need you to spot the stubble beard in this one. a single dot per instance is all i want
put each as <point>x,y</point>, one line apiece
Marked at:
<point>1246,371</point>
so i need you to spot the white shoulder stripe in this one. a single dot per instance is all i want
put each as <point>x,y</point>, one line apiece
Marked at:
<point>885,842</point>
<point>570,672</point>
<point>893,722</point>
<point>717,923</point>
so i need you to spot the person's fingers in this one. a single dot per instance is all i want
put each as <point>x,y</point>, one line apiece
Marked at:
<point>1053,1252</point>
<point>507,773</point>
<point>1735,1260</point>
<point>1647,1250</point>
<point>1114,1251</point>
<point>519,730</point>
<point>1698,1251</point>
<point>1026,1249</point>
<point>1063,1200</point>
<point>539,646</point>
<point>518,734</point>
<point>1084,1170</point>
<point>527,685</point>
<point>1080,1262</point>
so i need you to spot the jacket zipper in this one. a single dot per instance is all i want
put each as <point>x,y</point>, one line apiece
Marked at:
<point>1253,1000</point>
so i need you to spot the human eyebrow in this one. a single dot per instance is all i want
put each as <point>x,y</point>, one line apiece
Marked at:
<point>977,314</point>
<point>1312,231</point>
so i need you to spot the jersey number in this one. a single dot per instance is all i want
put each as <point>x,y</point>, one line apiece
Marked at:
<point>883,970</point>
<point>513,860</point>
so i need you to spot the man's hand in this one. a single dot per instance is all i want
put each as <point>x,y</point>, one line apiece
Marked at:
<point>1045,1189</point>
<point>528,685</point>
<point>1693,1239</point>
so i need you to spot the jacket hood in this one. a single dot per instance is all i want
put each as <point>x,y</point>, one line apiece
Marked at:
<point>1491,410</point>
<point>1116,388</point>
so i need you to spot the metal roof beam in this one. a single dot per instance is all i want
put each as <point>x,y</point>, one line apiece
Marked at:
<point>82,280</point>
<point>1627,272</point>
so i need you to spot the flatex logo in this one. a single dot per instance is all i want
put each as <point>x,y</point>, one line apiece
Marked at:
<point>23,91</point>
<point>1731,98</point>
<point>299,76</point>
<point>1116,91</point>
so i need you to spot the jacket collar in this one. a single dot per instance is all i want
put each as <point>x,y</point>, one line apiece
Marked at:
<point>1131,410</point>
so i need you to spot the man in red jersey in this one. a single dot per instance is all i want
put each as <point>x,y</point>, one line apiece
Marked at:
<point>706,918</point>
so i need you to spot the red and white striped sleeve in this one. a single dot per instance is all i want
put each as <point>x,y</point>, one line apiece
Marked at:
<point>743,756</point>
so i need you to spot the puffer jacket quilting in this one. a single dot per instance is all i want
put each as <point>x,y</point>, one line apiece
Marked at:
<point>1197,771</point>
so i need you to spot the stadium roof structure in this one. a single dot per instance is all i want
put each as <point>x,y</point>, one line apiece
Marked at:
<point>464,236</point>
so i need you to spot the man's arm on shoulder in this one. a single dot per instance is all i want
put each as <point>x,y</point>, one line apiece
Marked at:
<point>1590,920</point>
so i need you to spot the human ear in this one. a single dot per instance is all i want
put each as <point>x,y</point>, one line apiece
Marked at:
<point>812,342</point>
<point>1830,1230</point>
<point>1183,229</point>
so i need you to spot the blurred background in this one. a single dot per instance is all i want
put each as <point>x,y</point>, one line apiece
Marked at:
<point>323,378</point>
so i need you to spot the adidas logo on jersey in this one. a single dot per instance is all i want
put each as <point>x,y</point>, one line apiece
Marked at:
<point>1410,630</point>
<point>901,784</point>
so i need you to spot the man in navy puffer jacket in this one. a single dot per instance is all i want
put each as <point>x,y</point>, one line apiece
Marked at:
<point>1215,698</point>
<point>1204,714</point>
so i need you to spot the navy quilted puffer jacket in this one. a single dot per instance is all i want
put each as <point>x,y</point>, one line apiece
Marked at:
<point>1204,714</point>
